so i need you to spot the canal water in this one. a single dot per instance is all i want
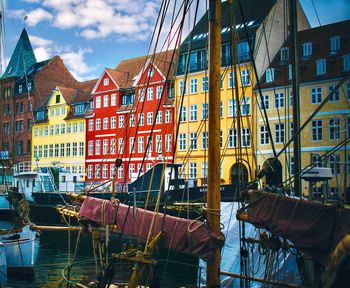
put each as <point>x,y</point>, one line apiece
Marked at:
<point>53,259</point>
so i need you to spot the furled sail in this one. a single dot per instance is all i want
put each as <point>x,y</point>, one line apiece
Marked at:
<point>182,235</point>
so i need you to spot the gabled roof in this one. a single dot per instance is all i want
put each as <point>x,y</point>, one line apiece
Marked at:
<point>319,37</point>
<point>22,58</point>
<point>254,13</point>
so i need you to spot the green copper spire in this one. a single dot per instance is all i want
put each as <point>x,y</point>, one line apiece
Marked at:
<point>22,58</point>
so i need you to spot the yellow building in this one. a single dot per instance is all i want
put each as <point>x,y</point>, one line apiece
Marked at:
<point>237,126</point>
<point>59,131</point>
<point>324,61</point>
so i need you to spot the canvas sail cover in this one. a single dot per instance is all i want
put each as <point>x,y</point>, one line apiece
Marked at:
<point>313,227</point>
<point>182,235</point>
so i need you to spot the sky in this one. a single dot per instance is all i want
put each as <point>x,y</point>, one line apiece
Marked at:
<point>90,35</point>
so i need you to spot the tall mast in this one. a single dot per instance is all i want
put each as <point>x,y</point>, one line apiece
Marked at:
<point>2,37</point>
<point>213,195</point>
<point>295,92</point>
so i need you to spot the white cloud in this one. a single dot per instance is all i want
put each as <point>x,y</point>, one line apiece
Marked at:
<point>39,41</point>
<point>38,15</point>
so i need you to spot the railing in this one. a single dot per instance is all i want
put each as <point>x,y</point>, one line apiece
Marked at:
<point>52,180</point>
<point>23,167</point>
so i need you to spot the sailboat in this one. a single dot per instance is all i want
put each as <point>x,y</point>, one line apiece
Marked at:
<point>204,239</point>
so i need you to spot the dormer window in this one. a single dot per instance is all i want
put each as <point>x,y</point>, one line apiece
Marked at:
<point>40,115</point>
<point>150,72</point>
<point>79,109</point>
<point>270,75</point>
<point>105,81</point>
<point>346,62</point>
<point>334,44</point>
<point>307,49</point>
<point>91,105</point>
<point>20,89</point>
<point>29,86</point>
<point>320,67</point>
<point>284,54</point>
<point>58,96</point>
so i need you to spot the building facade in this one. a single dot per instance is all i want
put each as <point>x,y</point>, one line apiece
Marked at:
<point>237,80</point>
<point>324,60</point>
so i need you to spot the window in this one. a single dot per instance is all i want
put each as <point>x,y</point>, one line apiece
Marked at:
<point>58,96</point>
<point>112,149</point>
<point>168,142</point>
<point>91,105</point>
<point>279,133</point>
<point>57,129</point>
<point>245,108</point>
<point>98,102</point>
<point>335,96</point>
<point>290,72</point>
<point>105,101</point>
<point>132,145</point>
<point>75,127</point>
<point>232,137</point>
<point>50,150</point>
<point>81,148</point>
<point>232,108</point>
<point>46,130</point>
<point>120,172</point>
<point>112,170</point>
<point>193,170</point>
<point>346,62</point>
<point>121,121</point>
<point>141,119</point>
<point>91,125</point>
<point>104,171</point>
<point>205,111</point>
<point>68,149</point>
<point>316,130</point>
<point>245,77</point>
<point>120,145</point>
<point>204,169</point>
<point>98,147</point>
<point>231,80</point>
<point>159,117</point>
<point>334,129</point>
<point>193,140</point>
<point>105,123</point>
<point>131,170</point>
<point>89,172</point>
<point>105,81</point>
<point>270,75</point>
<point>316,95</point>
<point>69,126</point>
<point>150,93</point>
<point>159,92</point>
<point>149,144</point>
<point>75,149</point>
<point>291,165</point>
<point>183,114</point>
<point>205,84</point>
<point>113,122</point>
<point>193,86</point>
<point>245,137</point>
<point>182,87</point>
<point>150,72</point>
<point>63,128</point>
<point>205,140</point>
<point>193,113</point>
<point>334,45</point>
<point>56,150</point>
<point>62,150</point>
<point>320,67</point>
<point>97,171</point>
<point>182,141</point>
<point>264,135</point>
<point>279,100</point>
<point>266,100</point>
<point>159,143</point>
<point>334,163</point>
<point>79,109</point>
<point>167,116</point>
<point>140,145</point>
<point>307,49</point>
<point>348,91</point>
<point>113,99</point>
<point>105,147</point>
<point>221,109</point>
<point>149,118</point>
<point>141,95</point>
<point>284,54</point>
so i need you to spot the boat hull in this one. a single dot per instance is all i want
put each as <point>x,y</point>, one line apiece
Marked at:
<point>21,249</point>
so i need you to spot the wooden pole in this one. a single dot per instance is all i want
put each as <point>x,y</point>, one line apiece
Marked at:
<point>213,195</point>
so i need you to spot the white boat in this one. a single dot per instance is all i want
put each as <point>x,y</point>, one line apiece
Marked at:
<point>21,245</point>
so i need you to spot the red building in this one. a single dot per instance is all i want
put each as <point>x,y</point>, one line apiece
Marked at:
<point>122,125</point>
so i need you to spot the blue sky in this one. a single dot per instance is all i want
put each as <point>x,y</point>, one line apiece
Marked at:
<point>90,35</point>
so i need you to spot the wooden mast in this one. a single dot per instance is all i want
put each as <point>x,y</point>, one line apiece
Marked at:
<point>213,195</point>
<point>295,92</point>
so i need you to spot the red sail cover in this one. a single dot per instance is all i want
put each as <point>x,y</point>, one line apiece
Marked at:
<point>313,227</point>
<point>182,235</point>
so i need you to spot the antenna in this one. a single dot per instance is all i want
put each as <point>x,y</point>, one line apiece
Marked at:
<point>2,37</point>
